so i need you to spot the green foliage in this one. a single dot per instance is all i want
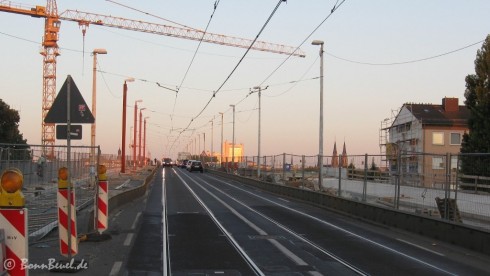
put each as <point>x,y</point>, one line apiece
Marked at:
<point>9,125</point>
<point>373,166</point>
<point>351,165</point>
<point>477,96</point>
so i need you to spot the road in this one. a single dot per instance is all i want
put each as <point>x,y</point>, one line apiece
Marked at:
<point>201,224</point>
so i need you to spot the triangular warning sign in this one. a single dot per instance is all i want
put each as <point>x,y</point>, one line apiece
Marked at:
<point>79,111</point>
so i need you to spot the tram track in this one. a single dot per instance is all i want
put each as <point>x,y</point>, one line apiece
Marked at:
<point>281,235</point>
<point>262,233</point>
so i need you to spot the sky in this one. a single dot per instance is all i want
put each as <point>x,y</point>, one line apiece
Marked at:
<point>378,55</point>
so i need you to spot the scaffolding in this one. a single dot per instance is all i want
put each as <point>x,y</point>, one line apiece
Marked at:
<point>401,133</point>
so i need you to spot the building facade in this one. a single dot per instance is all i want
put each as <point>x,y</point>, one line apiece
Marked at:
<point>422,137</point>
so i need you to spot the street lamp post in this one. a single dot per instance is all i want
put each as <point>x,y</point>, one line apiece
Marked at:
<point>139,136</point>
<point>134,133</point>
<point>144,144</point>
<point>221,147</point>
<point>94,106</point>
<point>259,90</point>
<point>320,151</point>
<point>123,136</point>
<point>233,142</point>
<point>212,139</point>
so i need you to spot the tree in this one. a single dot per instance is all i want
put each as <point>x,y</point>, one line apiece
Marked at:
<point>477,101</point>
<point>373,166</point>
<point>9,125</point>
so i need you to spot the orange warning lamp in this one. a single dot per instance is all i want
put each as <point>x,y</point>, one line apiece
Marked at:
<point>102,172</point>
<point>11,188</point>
<point>63,178</point>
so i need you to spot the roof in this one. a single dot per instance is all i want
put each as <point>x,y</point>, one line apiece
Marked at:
<point>433,114</point>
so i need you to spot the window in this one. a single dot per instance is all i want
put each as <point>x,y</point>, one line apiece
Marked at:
<point>438,138</point>
<point>455,139</point>
<point>437,163</point>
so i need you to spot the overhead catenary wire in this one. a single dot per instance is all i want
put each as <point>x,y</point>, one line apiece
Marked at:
<point>335,7</point>
<point>215,6</point>
<point>149,14</point>
<point>236,66</point>
<point>407,61</point>
<point>231,73</point>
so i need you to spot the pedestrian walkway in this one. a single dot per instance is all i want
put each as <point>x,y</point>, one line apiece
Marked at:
<point>474,208</point>
<point>97,253</point>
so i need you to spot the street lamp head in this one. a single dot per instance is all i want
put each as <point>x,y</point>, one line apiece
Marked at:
<point>129,80</point>
<point>99,51</point>
<point>256,87</point>
<point>137,101</point>
<point>317,42</point>
<point>232,105</point>
<point>141,109</point>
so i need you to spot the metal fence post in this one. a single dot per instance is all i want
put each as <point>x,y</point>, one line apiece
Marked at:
<point>447,188</point>
<point>340,176</point>
<point>284,167</point>
<point>397,182</point>
<point>303,169</point>
<point>365,177</point>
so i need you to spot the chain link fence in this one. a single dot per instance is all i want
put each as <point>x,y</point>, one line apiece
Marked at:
<point>453,187</point>
<point>39,166</point>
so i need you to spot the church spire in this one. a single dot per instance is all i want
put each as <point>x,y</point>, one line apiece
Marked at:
<point>335,156</point>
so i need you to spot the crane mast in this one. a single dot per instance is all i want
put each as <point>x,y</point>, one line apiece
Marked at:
<point>49,52</point>
<point>50,49</point>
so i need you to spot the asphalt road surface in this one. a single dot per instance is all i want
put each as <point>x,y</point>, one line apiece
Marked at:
<point>201,224</point>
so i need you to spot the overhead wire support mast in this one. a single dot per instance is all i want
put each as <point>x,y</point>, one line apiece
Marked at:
<point>191,34</point>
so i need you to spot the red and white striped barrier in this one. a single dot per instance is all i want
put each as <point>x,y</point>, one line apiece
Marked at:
<point>63,222</point>
<point>102,206</point>
<point>14,224</point>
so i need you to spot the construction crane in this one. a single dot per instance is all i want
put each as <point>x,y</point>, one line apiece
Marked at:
<point>50,49</point>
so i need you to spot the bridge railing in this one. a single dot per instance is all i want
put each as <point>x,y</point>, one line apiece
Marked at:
<point>454,187</point>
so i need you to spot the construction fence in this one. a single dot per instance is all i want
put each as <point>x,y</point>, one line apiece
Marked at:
<point>453,187</point>
<point>39,166</point>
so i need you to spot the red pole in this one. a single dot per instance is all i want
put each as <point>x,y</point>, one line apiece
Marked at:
<point>123,157</point>
<point>139,139</point>
<point>134,135</point>
<point>144,146</point>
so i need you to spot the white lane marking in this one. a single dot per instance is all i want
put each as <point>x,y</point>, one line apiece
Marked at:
<point>421,247</point>
<point>331,255</point>
<point>222,228</point>
<point>115,268</point>
<point>128,239</point>
<point>135,222</point>
<point>285,200</point>
<point>293,257</point>
<point>339,228</point>
<point>165,254</point>
<point>180,213</point>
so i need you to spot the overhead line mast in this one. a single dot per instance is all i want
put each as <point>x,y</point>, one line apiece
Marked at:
<point>84,19</point>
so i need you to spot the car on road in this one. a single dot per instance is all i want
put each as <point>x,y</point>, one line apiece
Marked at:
<point>196,166</point>
<point>183,164</point>
<point>167,162</point>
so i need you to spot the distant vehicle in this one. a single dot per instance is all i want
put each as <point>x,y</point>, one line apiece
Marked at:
<point>196,166</point>
<point>167,162</point>
<point>188,164</point>
<point>183,165</point>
